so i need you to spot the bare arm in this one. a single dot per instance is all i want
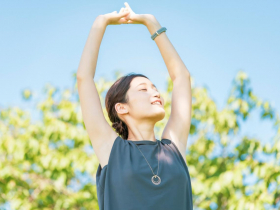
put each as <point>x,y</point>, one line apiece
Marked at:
<point>87,66</point>
<point>178,125</point>
<point>100,132</point>
<point>89,57</point>
<point>89,99</point>
<point>172,60</point>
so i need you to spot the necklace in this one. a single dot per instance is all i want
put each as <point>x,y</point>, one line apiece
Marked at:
<point>158,180</point>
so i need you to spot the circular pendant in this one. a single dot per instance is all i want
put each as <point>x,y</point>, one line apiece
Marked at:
<point>157,181</point>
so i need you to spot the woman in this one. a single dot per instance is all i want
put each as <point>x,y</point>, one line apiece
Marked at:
<point>137,171</point>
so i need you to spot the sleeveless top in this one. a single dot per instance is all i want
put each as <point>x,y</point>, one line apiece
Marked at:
<point>125,182</point>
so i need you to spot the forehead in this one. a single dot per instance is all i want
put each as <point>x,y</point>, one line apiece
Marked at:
<point>137,81</point>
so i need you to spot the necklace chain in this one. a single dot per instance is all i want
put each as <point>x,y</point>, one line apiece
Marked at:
<point>155,175</point>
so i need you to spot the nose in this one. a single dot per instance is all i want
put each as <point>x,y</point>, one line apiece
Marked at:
<point>157,94</point>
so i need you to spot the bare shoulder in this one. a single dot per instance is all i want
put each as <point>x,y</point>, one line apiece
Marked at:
<point>102,146</point>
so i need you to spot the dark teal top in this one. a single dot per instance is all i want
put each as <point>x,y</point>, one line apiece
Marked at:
<point>125,182</point>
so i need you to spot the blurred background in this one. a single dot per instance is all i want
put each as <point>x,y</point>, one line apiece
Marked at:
<point>232,52</point>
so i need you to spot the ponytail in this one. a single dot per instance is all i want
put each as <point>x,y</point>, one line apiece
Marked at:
<point>121,128</point>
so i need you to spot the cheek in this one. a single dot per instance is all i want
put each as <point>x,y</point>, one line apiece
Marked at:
<point>140,100</point>
<point>140,103</point>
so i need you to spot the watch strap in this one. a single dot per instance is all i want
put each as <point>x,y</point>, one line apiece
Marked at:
<point>158,32</point>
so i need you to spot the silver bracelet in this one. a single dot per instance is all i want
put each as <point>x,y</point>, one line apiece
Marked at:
<point>158,32</point>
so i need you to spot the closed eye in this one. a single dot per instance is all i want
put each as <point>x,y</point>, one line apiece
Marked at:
<point>143,89</point>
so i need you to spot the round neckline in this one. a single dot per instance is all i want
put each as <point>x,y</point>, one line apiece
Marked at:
<point>144,141</point>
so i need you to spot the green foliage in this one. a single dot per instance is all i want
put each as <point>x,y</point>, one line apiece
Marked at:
<point>38,164</point>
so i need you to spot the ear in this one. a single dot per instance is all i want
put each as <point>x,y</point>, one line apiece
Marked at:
<point>121,108</point>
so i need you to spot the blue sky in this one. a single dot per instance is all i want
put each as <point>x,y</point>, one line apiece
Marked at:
<point>42,42</point>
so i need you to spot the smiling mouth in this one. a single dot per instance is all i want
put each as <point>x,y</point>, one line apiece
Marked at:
<point>157,104</point>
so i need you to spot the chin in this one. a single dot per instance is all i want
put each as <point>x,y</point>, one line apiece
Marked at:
<point>161,115</point>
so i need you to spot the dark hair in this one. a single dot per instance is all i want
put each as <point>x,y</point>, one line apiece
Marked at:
<point>117,93</point>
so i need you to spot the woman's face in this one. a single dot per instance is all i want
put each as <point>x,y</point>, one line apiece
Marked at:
<point>141,94</point>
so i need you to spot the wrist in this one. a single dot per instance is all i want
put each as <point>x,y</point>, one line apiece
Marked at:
<point>148,19</point>
<point>152,24</point>
<point>100,21</point>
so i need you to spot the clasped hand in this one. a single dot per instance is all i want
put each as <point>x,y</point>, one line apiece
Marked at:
<point>125,16</point>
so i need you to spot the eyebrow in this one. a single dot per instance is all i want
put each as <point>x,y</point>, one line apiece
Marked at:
<point>145,84</point>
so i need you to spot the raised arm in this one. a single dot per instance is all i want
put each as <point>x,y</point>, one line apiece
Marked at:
<point>178,125</point>
<point>100,132</point>
<point>87,65</point>
<point>173,62</point>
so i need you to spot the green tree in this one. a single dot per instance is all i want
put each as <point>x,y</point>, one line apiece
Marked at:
<point>40,161</point>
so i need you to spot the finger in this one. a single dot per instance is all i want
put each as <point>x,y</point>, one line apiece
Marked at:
<point>121,10</point>
<point>123,21</point>
<point>126,10</point>
<point>124,13</point>
<point>127,6</point>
